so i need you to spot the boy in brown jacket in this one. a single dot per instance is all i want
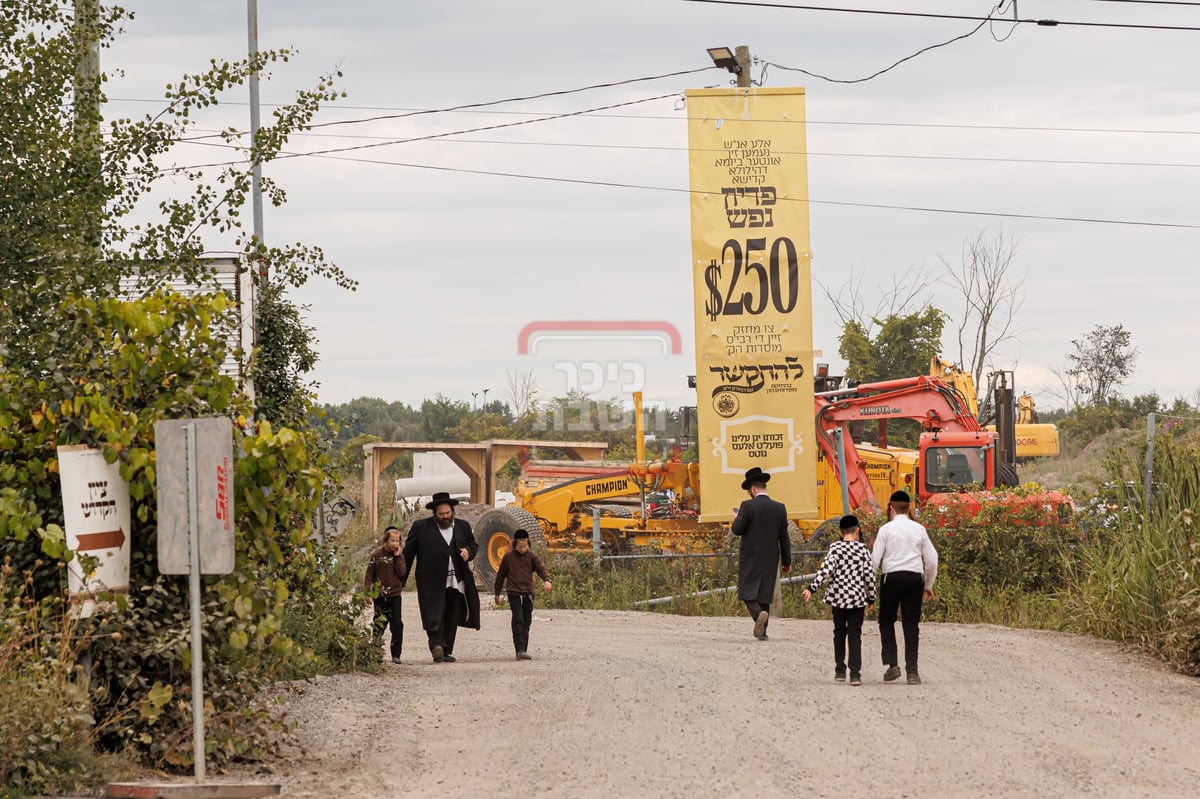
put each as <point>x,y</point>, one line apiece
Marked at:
<point>386,573</point>
<point>517,568</point>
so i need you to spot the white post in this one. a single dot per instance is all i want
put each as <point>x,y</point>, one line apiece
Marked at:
<point>194,590</point>
<point>1149,465</point>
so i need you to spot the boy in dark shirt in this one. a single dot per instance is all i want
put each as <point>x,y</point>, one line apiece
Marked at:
<point>386,574</point>
<point>517,568</point>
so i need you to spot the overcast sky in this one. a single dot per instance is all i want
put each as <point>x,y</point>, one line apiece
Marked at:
<point>1041,123</point>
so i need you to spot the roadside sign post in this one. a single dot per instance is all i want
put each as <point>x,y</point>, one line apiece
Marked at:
<point>195,536</point>
<point>97,520</point>
<point>193,504</point>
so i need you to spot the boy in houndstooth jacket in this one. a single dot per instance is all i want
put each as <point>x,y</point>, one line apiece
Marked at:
<point>851,588</point>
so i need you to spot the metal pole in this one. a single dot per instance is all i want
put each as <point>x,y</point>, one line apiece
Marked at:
<point>255,123</point>
<point>87,108</point>
<point>194,592</point>
<point>662,600</point>
<point>596,532</point>
<point>841,459</point>
<point>1149,464</point>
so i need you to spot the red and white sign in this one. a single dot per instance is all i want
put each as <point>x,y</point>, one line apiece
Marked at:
<point>96,514</point>
<point>212,459</point>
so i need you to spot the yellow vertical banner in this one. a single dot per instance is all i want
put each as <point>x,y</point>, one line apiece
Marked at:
<point>751,265</point>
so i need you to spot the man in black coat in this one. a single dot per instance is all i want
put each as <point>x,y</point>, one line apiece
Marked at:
<point>442,547</point>
<point>761,522</point>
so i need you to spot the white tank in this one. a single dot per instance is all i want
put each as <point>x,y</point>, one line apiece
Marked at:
<point>411,489</point>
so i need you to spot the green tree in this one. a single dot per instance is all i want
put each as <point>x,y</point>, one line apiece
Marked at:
<point>440,415</point>
<point>1103,360</point>
<point>902,346</point>
<point>72,202</point>
<point>281,392</point>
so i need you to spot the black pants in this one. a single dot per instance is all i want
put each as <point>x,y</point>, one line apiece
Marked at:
<point>847,633</point>
<point>521,606</point>
<point>755,607</point>
<point>387,613</point>
<point>903,591</point>
<point>444,634</point>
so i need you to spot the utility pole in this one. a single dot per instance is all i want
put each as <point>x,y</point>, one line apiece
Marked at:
<point>87,111</point>
<point>742,53</point>
<point>255,124</point>
<point>247,276</point>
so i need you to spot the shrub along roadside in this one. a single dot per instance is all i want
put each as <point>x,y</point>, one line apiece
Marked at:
<point>137,363</point>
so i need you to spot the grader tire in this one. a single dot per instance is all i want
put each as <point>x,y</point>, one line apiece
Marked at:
<point>494,533</point>
<point>824,535</point>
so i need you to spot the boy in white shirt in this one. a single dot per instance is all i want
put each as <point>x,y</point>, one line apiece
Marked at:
<point>909,563</point>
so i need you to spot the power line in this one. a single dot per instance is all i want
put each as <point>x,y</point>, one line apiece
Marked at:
<point>613,184</point>
<point>846,122</point>
<point>1151,2</point>
<point>468,106</point>
<point>809,153</point>
<point>405,113</point>
<point>445,134</point>
<point>1045,23</point>
<point>923,50</point>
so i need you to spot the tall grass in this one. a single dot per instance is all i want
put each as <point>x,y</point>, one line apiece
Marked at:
<point>1138,580</point>
<point>47,730</point>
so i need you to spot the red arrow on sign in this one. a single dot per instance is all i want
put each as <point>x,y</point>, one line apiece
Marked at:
<point>111,539</point>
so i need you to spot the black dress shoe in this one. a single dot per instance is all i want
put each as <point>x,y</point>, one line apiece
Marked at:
<point>447,658</point>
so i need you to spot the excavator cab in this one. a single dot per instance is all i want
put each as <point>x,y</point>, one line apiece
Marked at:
<point>954,461</point>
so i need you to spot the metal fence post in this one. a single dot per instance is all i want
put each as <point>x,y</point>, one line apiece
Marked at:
<point>596,533</point>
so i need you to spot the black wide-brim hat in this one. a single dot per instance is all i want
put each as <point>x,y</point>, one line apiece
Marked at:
<point>755,475</point>
<point>440,498</point>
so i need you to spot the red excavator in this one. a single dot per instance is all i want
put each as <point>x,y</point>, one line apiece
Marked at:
<point>957,459</point>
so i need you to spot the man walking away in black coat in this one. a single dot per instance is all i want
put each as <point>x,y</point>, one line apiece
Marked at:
<point>761,522</point>
<point>439,549</point>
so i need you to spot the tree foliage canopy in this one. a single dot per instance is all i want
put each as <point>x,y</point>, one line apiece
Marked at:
<point>902,346</point>
<point>1102,360</point>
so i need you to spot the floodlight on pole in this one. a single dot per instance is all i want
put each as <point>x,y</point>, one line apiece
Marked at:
<point>724,58</point>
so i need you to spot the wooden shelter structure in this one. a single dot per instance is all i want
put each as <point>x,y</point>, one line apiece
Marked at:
<point>480,460</point>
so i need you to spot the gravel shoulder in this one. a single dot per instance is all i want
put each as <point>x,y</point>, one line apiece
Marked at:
<point>649,704</point>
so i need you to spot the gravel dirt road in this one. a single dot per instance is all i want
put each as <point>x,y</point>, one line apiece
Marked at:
<point>621,704</point>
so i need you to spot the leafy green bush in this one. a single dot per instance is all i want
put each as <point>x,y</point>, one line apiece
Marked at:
<point>137,363</point>
<point>1005,546</point>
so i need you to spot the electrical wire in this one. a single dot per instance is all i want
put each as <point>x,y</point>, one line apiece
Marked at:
<point>469,106</point>
<point>970,33</point>
<point>614,184</point>
<point>1151,2</point>
<point>432,136</point>
<point>1046,23</point>
<point>668,148</point>
<point>931,125</point>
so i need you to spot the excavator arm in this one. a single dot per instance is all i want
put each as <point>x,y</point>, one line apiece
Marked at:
<point>926,400</point>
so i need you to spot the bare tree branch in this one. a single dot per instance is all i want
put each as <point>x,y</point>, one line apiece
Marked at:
<point>908,293</point>
<point>992,293</point>
<point>520,389</point>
